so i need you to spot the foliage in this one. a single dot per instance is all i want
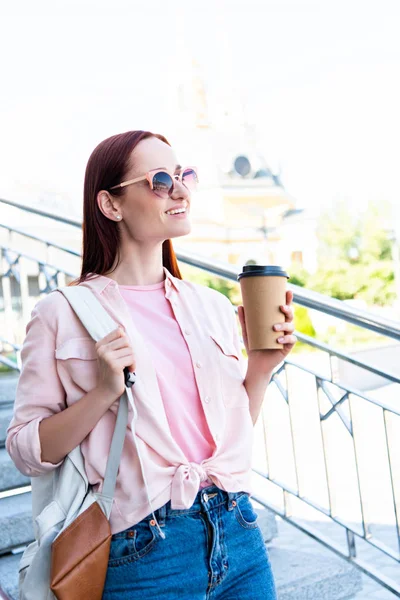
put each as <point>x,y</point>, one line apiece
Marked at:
<point>230,289</point>
<point>298,275</point>
<point>354,255</point>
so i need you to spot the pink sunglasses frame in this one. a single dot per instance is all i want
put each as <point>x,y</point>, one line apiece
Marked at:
<point>150,174</point>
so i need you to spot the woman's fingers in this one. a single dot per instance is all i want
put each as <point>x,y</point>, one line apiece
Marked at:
<point>123,356</point>
<point>287,339</point>
<point>287,326</point>
<point>113,335</point>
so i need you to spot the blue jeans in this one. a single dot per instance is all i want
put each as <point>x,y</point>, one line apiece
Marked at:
<point>212,551</point>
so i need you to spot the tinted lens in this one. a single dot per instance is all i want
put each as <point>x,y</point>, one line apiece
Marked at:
<point>162,183</point>
<point>189,178</point>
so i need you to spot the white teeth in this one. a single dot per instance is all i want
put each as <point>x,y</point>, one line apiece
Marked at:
<point>177,211</point>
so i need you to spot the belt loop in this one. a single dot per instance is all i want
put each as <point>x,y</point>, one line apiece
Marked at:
<point>161,514</point>
<point>230,498</point>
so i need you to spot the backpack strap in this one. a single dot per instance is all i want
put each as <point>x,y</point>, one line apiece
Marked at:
<point>99,323</point>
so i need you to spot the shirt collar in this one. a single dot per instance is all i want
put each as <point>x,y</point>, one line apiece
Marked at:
<point>100,282</point>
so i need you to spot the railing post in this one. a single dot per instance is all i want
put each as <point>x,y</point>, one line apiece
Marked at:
<point>24,287</point>
<point>8,314</point>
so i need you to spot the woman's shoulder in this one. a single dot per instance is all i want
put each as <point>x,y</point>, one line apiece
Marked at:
<point>206,293</point>
<point>51,307</point>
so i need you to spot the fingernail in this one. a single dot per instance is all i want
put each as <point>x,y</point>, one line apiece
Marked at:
<point>278,326</point>
<point>280,340</point>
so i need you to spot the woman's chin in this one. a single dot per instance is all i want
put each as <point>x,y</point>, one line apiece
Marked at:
<point>184,229</point>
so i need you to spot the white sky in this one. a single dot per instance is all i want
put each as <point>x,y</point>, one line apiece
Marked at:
<point>320,78</point>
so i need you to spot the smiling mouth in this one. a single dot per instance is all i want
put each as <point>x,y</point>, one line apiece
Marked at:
<point>180,211</point>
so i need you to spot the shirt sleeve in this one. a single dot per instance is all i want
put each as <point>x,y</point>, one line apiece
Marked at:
<point>39,394</point>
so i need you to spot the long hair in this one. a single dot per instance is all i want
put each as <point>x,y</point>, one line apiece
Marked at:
<point>107,166</point>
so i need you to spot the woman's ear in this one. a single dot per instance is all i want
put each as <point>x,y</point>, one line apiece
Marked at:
<point>108,205</point>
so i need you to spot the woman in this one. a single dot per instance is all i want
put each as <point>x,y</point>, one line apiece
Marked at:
<point>182,522</point>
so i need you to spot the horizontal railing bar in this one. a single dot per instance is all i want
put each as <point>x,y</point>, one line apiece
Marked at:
<point>349,389</point>
<point>13,346</point>
<point>42,213</point>
<point>9,363</point>
<point>40,262</point>
<point>339,354</point>
<point>39,239</point>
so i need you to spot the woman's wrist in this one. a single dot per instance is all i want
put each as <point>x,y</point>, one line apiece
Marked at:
<point>105,396</point>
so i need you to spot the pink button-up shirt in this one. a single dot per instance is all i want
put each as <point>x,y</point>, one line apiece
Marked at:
<point>59,366</point>
<point>154,317</point>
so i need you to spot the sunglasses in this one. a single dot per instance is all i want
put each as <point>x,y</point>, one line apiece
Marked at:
<point>162,183</point>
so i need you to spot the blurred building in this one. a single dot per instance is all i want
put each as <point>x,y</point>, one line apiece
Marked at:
<point>242,211</point>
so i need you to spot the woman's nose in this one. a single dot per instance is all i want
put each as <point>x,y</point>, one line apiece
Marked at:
<point>179,190</point>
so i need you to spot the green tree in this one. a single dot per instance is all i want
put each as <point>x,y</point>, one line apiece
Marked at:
<point>354,255</point>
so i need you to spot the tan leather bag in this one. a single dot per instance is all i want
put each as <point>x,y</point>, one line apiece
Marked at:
<point>79,557</point>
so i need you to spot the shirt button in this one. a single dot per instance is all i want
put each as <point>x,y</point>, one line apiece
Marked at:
<point>198,364</point>
<point>207,399</point>
<point>187,331</point>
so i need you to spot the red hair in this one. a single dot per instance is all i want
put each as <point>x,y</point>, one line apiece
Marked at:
<point>107,166</point>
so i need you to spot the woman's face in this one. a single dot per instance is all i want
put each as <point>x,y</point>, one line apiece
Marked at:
<point>143,212</point>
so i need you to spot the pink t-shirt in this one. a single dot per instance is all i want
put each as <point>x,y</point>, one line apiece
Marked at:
<point>153,315</point>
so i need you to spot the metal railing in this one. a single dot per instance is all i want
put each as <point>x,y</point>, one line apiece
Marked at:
<point>332,427</point>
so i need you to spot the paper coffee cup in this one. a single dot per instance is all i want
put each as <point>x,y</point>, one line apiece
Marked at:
<point>263,292</point>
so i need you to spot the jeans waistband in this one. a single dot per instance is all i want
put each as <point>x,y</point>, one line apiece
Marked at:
<point>206,499</point>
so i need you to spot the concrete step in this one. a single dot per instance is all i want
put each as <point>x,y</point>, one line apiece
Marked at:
<point>9,575</point>
<point>16,527</point>
<point>6,411</point>
<point>311,576</point>
<point>298,576</point>
<point>267,523</point>
<point>8,385</point>
<point>10,477</point>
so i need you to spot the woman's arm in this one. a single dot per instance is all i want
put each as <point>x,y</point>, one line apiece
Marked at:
<point>261,363</point>
<point>256,383</point>
<point>43,429</point>
<point>62,432</point>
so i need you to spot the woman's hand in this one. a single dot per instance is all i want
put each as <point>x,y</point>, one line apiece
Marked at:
<point>266,360</point>
<point>114,353</point>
